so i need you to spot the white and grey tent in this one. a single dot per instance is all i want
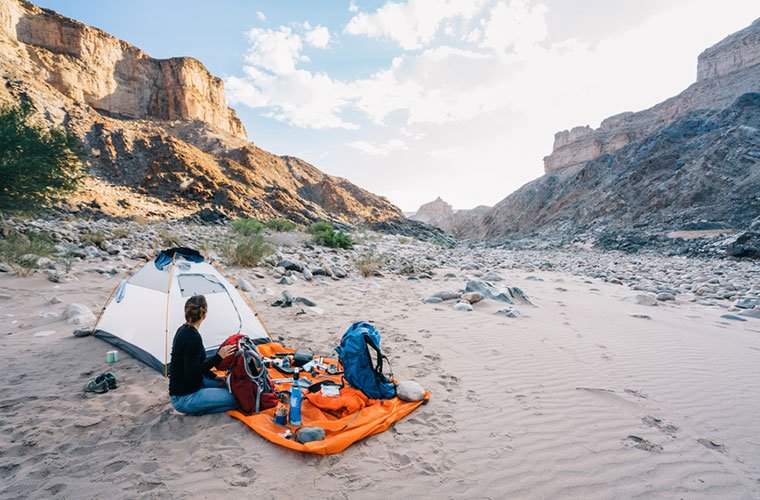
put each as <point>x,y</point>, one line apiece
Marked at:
<point>147,308</point>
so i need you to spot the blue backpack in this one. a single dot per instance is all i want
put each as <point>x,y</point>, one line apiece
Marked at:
<point>358,366</point>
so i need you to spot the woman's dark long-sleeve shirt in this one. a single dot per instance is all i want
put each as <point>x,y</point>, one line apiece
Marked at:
<point>189,362</point>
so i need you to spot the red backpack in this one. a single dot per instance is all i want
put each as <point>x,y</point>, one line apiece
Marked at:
<point>247,377</point>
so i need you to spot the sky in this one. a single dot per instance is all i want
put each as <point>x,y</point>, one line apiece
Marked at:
<point>415,99</point>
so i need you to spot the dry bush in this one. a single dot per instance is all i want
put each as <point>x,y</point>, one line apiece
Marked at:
<point>369,264</point>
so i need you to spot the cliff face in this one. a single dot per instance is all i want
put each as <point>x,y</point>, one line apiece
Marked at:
<point>158,135</point>
<point>725,71</point>
<point>705,166</point>
<point>89,65</point>
<point>460,223</point>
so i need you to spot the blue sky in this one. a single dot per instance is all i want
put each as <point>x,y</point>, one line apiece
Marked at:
<point>414,99</point>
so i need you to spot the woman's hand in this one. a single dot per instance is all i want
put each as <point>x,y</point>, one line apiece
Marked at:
<point>226,351</point>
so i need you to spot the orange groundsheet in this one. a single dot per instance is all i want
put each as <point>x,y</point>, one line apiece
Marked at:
<point>342,429</point>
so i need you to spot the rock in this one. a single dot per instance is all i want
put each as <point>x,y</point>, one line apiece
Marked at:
<point>321,271</point>
<point>747,303</point>
<point>55,300</point>
<point>510,295</point>
<point>307,275</point>
<point>83,332</point>
<point>309,434</point>
<point>445,295</point>
<point>5,296</point>
<point>291,265</point>
<point>665,296</point>
<point>751,313</point>
<point>732,317</point>
<point>472,297</point>
<point>509,312</point>
<point>245,285</point>
<point>744,245</point>
<point>54,276</point>
<point>5,268</point>
<point>409,390</point>
<point>45,263</point>
<point>463,306</point>
<point>285,300</point>
<point>286,280</point>
<point>432,300</point>
<point>29,260</point>
<point>78,314</point>
<point>339,272</point>
<point>305,301</point>
<point>492,276</point>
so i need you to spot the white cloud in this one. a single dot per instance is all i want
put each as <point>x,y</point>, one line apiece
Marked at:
<point>318,37</point>
<point>515,26</point>
<point>413,24</point>
<point>379,149</point>
<point>261,16</point>
<point>352,7</point>
<point>277,51</point>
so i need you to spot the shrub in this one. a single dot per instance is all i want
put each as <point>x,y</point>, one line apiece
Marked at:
<point>38,165</point>
<point>325,234</point>
<point>247,227</point>
<point>247,251</point>
<point>16,248</point>
<point>168,239</point>
<point>280,225</point>
<point>369,264</point>
<point>96,238</point>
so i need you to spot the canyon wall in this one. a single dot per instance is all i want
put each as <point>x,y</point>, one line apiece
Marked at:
<point>114,77</point>
<point>725,71</point>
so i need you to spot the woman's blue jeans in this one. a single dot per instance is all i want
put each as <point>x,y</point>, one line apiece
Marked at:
<point>213,397</point>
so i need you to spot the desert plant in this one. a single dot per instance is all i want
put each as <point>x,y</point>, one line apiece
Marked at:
<point>168,239</point>
<point>38,165</point>
<point>247,251</point>
<point>247,227</point>
<point>325,234</point>
<point>21,249</point>
<point>369,264</point>
<point>96,238</point>
<point>280,225</point>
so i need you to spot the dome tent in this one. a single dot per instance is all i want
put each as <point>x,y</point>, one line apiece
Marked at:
<point>148,307</point>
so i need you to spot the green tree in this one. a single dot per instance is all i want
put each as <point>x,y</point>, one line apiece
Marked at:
<point>37,165</point>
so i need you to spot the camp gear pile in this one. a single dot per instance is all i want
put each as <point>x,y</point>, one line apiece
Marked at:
<point>247,377</point>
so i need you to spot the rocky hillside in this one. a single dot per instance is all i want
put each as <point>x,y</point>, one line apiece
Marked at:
<point>158,136</point>
<point>691,162</point>
<point>724,72</point>
<point>440,214</point>
<point>705,166</point>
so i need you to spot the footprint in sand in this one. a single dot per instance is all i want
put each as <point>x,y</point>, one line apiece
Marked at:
<point>713,445</point>
<point>642,444</point>
<point>660,424</point>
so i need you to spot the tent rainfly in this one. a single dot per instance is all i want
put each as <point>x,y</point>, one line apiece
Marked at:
<point>147,308</point>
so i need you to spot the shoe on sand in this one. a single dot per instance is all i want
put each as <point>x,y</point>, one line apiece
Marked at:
<point>98,385</point>
<point>110,379</point>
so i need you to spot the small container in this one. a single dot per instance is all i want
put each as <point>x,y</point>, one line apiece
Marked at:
<point>112,357</point>
<point>281,415</point>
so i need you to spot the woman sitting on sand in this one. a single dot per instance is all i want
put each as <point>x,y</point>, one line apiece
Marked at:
<point>193,389</point>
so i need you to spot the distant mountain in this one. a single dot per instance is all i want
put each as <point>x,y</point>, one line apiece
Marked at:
<point>440,214</point>
<point>692,159</point>
<point>157,134</point>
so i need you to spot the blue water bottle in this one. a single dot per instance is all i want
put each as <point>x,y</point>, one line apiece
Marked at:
<point>296,396</point>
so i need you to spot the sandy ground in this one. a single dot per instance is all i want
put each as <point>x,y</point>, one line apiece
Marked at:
<point>574,399</point>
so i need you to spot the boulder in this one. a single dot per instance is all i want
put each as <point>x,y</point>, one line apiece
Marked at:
<point>510,295</point>
<point>472,297</point>
<point>409,390</point>
<point>463,306</point>
<point>432,300</point>
<point>78,314</point>
<point>291,265</point>
<point>744,245</point>
<point>665,296</point>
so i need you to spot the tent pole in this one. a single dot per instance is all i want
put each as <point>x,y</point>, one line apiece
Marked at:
<point>166,322</point>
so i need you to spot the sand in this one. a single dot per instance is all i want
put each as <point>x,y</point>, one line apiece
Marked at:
<point>576,398</point>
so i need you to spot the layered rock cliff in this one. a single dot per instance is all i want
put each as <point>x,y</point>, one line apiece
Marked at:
<point>460,223</point>
<point>703,167</point>
<point>725,71</point>
<point>157,133</point>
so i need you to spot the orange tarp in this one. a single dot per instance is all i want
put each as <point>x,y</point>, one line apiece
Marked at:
<point>342,429</point>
